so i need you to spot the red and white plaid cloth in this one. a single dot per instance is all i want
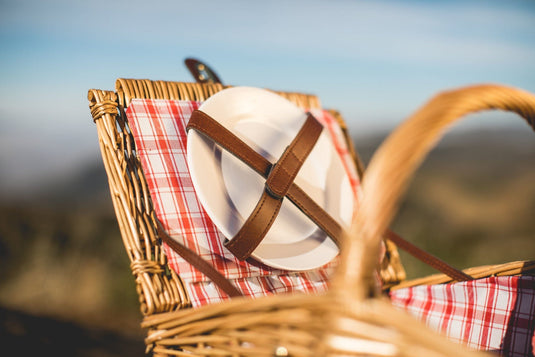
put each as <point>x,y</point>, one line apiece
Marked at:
<point>487,314</point>
<point>159,130</point>
<point>494,314</point>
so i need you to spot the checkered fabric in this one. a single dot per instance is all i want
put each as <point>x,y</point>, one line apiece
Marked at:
<point>159,130</point>
<point>494,314</point>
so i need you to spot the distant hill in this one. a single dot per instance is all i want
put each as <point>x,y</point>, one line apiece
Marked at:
<point>473,200</point>
<point>498,143</point>
<point>87,187</point>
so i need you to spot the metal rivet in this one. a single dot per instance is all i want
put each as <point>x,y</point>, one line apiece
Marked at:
<point>281,352</point>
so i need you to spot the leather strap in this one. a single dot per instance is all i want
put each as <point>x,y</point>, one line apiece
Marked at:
<point>278,183</point>
<point>196,261</point>
<point>211,129</point>
<point>427,258</point>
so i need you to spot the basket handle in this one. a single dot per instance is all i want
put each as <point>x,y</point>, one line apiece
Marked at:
<point>394,164</point>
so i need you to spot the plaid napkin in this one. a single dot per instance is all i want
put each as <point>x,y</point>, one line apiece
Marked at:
<point>159,130</point>
<point>496,314</point>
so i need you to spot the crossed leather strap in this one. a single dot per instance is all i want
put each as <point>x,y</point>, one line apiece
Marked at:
<point>279,184</point>
<point>279,181</point>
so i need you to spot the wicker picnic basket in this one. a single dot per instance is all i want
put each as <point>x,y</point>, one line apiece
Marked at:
<point>353,317</point>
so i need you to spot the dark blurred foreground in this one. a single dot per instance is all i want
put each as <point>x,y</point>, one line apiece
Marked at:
<point>66,285</point>
<point>23,334</point>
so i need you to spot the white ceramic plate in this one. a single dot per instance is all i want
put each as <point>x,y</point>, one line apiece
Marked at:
<point>229,190</point>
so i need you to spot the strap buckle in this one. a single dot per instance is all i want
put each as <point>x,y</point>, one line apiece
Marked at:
<point>201,72</point>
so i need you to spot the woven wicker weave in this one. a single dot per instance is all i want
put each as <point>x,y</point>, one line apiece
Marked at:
<point>351,318</point>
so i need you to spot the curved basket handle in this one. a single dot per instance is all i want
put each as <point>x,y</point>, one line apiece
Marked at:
<point>394,164</point>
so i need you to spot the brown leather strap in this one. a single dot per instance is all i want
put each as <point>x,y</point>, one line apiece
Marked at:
<point>278,183</point>
<point>205,125</point>
<point>427,258</point>
<point>196,261</point>
<point>210,128</point>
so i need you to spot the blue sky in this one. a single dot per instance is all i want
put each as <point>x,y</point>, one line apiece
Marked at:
<point>375,61</point>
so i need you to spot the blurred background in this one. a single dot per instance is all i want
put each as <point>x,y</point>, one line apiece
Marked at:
<point>66,286</point>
